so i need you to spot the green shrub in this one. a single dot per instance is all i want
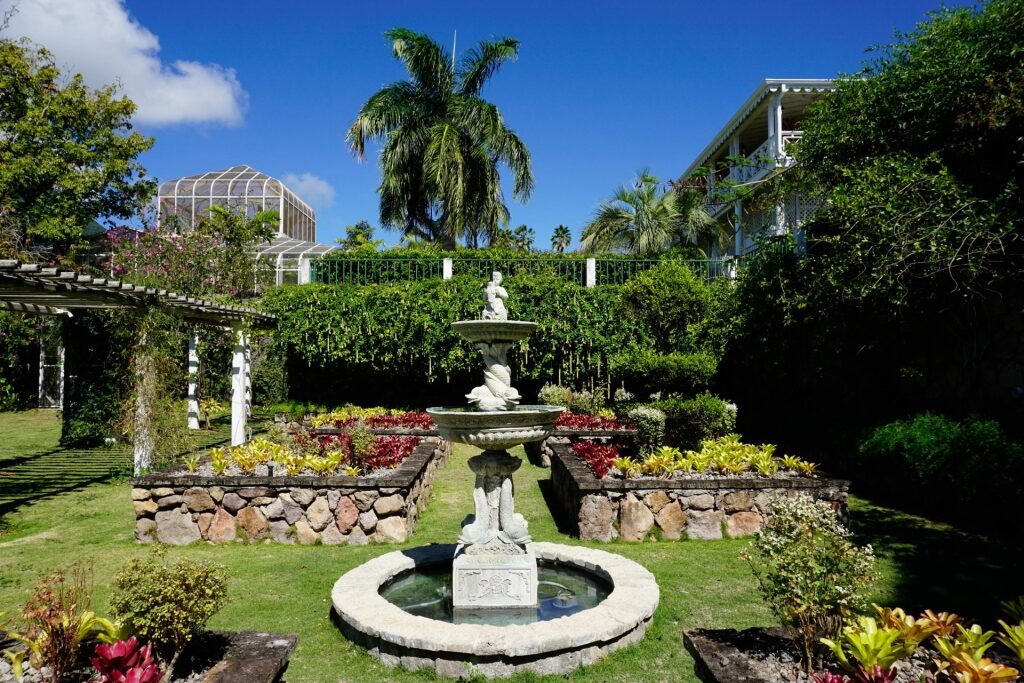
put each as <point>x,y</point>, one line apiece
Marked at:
<point>808,570</point>
<point>645,372</point>
<point>650,427</point>
<point>970,463</point>
<point>167,604</point>
<point>585,402</point>
<point>554,395</point>
<point>688,422</point>
<point>671,303</point>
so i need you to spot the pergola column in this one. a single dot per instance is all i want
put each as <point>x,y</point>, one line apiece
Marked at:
<point>143,442</point>
<point>193,379</point>
<point>239,384</point>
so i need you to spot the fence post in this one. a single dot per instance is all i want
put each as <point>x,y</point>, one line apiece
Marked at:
<point>446,269</point>
<point>591,272</point>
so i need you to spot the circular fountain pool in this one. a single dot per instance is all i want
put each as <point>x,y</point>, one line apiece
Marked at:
<point>614,598</point>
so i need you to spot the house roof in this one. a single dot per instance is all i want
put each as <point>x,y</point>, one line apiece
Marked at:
<point>767,87</point>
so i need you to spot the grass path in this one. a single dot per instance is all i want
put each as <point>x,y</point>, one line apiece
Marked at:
<point>287,588</point>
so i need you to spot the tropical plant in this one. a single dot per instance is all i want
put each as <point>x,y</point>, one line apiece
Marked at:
<point>645,219</point>
<point>210,407</point>
<point>1014,608</point>
<point>946,623</point>
<point>1013,638</point>
<point>973,642</point>
<point>961,667</point>
<point>192,462</point>
<point>561,238</point>
<point>126,661</point>
<point>912,631</point>
<point>442,142</point>
<point>220,460</point>
<point>868,645</point>
<point>808,570</point>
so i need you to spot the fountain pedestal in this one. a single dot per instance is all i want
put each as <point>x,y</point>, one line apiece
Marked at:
<point>494,566</point>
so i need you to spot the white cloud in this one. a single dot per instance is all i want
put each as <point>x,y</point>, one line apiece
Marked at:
<point>316,192</point>
<point>100,40</point>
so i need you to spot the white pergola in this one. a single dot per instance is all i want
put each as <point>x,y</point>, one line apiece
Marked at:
<point>34,289</point>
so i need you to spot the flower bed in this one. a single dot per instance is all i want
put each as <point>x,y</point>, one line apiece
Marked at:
<point>382,506</point>
<point>696,506</point>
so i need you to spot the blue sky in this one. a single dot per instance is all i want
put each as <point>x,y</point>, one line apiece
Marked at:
<point>601,89</point>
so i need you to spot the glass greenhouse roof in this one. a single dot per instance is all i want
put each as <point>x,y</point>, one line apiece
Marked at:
<point>189,199</point>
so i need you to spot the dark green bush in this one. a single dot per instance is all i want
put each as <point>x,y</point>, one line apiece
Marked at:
<point>969,468</point>
<point>644,372</point>
<point>671,303</point>
<point>690,421</point>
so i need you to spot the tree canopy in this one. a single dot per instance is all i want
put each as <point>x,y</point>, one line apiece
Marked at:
<point>68,153</point>
<point>646,219</point>
<point>443,143</point>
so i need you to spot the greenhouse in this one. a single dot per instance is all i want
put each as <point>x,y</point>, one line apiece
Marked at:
<point>187,200</point>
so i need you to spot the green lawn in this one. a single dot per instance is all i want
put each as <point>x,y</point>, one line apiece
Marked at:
<point>72,513</point>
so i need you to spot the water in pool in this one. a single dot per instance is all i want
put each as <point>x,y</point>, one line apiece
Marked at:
<point>561,591</point>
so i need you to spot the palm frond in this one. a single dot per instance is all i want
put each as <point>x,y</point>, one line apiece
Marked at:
<point>481,62</point>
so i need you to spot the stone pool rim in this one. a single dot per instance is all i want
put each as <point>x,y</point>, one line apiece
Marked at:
<point>627,610</point>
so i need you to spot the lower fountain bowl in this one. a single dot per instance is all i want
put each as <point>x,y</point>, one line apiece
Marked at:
<point>496,430</point>
<point>556,646</point>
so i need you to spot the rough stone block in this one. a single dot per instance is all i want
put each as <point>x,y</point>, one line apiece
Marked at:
<point>275,510</point>
<point>331,535</point>
<point>346,515</point>
<point>199,500</point>
<point>281,531</point>
<point>302,496</point>
<point>358,537</point>
<point>233,502</point>
<point>704,525</point>
<point>635,519</point>
<point>671,520</point>
<point>253,524</point>
<point>175,527</point>
<point>368,520</point>
<point>389,505</point>
<point>292,510</point>
<point>333,496</point>
<point>145,530</point>
<point>702,501</point>
<point>318,514</point>
<point>391,530</point>
<point>222,527</point>
<point>216,492</point>
<point>743,524</point>
<point>737,501</point>
<point>364,500</point>
<point>304,533</point>
<point>145,507</point>
<point>595,518</point>
<point>254,491</point>
<point>656,500</point>
<point>169,501</point>
<point>140,494</point>
<point>161,492</point>
<point>204,522</point>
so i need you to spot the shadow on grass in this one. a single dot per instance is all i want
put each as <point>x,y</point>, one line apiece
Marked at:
<point>936,566</point>
<point>564,525</point>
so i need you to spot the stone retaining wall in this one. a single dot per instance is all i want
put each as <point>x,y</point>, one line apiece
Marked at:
<point>180,509</point>
<point>673,509</point>
<point>539,452</point>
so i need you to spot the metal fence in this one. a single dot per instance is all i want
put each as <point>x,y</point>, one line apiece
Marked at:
<point>583,271</point>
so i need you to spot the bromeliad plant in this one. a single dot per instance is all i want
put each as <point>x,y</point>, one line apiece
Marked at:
<point>1013,638</point>
<point>126,661</point>
<point>866,646</point>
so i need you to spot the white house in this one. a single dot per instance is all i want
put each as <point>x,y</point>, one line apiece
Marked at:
<point>750,148</point>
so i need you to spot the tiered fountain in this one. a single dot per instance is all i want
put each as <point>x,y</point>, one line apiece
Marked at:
<point>509,603</point>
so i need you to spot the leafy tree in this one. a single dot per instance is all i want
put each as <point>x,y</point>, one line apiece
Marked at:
<point>560,239</point>
<point>443,143</point>
<point>359,237</point>
<point>523,239</point>
<point>645,219</point>
<point>67,152</point>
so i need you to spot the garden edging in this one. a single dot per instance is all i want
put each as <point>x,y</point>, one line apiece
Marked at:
<point>181,509</point>
<point>673,509</point>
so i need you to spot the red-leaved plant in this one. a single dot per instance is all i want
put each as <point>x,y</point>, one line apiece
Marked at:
<point>598,456</point>
<point>126,662</point>
<point>567,420</point>
<point>877,675</point>
<point>389,451</point>
<point>829,677</point>
<point>403,421</point>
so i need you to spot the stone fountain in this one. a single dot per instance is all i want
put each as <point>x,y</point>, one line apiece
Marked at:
<point>490,618</point>
<point>494,565</point>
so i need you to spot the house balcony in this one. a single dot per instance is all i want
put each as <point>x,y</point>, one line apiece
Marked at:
<point>759,164</point>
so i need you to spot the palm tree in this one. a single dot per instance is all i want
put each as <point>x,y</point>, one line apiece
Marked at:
<point>646,219</point>
<point>560,239</point>
<point>442,142</point>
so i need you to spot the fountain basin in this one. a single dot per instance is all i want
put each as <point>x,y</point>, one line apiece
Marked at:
<point>490,331</point>
<point>557,646</point>
<point>496,430</point>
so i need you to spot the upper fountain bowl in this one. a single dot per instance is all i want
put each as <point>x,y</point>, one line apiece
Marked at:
<point>497,430</point>
<point>490,331</point>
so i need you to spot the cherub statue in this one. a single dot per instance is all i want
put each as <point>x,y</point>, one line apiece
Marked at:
<point>496,295</point>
